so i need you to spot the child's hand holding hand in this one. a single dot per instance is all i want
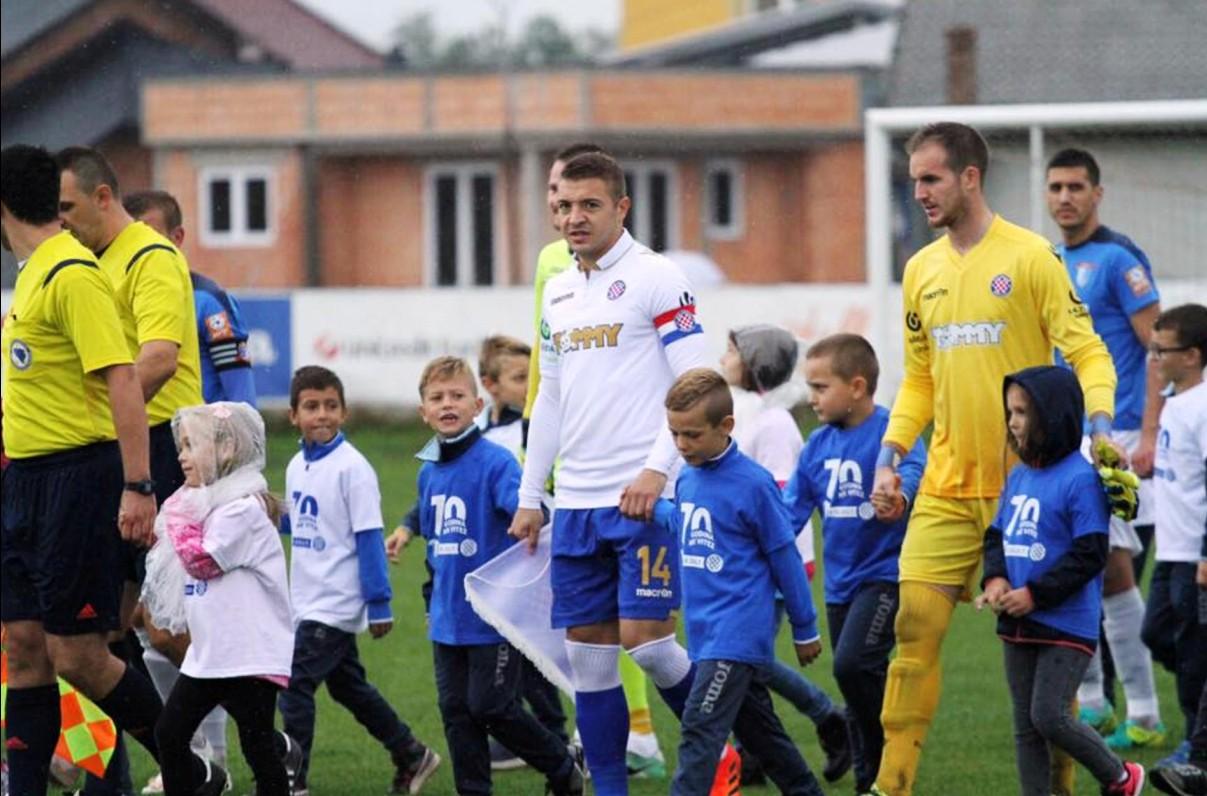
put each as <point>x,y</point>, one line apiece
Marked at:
<point>380,629</point>
<point>808,652</point>
<point>889,503</point>
<point>995,590</point>
<point>1018,602</point>
<point>398,540</point>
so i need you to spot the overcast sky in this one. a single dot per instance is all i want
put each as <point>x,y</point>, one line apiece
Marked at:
<point>373,20</point>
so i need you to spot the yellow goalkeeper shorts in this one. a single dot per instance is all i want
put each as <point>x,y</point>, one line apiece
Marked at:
<point>943,541</point>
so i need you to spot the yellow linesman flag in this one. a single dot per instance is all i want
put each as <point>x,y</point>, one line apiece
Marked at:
<point>87,736</point>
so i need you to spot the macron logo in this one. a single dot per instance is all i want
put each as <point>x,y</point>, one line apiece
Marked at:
<point>957,335</point>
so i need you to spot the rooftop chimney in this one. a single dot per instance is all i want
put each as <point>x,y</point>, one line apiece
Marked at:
<point>961,66</point>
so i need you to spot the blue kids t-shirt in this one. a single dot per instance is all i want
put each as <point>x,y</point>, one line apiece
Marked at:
<point>1115,281</point>
<point>1041,512</point>
<point>736,547</point>
<point>466,501</point>
<point>835,474</point>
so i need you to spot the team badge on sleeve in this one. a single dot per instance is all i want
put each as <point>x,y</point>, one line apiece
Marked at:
<point>678,323</point>
<point>1001,285</point>
<point>219,326</point>
<point>1138,280</point>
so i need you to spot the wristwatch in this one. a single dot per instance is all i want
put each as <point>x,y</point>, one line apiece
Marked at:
<point>144,487</point>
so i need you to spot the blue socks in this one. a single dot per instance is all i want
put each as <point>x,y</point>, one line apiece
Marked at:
<point>603,722</point>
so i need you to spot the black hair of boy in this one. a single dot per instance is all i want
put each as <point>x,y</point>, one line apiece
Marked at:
<point>701,384</point>
<point>314,377</point>
<point>1188,322</point>
<point>29,184</point>
<point>850,355</point>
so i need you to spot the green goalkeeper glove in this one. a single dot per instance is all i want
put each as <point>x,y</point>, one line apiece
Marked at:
<point>1122,487</point>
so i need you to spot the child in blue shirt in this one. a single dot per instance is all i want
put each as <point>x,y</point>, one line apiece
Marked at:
<point>467,495</point>
<point>1044,558</point>
<point>737,546</point>
<point>861,541</point>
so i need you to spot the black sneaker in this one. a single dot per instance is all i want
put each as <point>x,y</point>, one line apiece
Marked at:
<point>836,744</point>
<point>410,778</point>
<point>574,784</point>
<point>502,758</point>
<point>1181,779</point>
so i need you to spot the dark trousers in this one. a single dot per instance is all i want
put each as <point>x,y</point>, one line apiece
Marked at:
<point>323,654</point>
<point>1198,741</point>
<point>250,701</point>
<point>1043,681</point>
<point>1176,633</point>
<point>861,635</point>
<point>726,696</point>
<point>478,691</point>
<point>545,700</point>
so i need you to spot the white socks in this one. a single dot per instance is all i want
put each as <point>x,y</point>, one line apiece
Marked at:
<point>664,660</point>
<point>596,667</point>
<point>1122,618</point>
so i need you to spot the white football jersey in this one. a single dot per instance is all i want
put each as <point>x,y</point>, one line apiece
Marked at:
<point>1178,476</point>
<point>612,342</point>
<point>331,499</point>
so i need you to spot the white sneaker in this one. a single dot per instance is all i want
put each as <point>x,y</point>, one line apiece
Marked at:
<point>154,785</point>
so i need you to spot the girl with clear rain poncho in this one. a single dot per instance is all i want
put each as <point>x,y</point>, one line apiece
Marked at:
<point>217,570</point>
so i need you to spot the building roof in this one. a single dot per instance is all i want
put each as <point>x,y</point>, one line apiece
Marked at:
<point>1056,50</point>
<point>737,42</point>
<point>286,31</point>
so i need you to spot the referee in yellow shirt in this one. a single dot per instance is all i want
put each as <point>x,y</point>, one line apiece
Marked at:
<point>150,279</point>
<point>986,299</point>
<point>75,429</point>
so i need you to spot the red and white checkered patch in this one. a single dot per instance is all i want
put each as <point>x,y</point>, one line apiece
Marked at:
<point>616,290</point>
<point>1001,286</point>
<point>685,319</point>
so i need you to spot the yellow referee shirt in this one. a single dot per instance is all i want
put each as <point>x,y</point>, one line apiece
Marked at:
<point>61,328</point>
<point>155,299</point>
<point>553,259</point>
<point>971,320</point>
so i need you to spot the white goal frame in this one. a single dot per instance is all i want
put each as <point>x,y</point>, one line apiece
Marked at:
<point>882,123</point>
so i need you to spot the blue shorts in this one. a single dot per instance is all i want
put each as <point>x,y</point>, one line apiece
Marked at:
<point>607,567</point>
<point>60,546</point>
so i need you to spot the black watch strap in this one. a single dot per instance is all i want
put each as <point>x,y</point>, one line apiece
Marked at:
<point>144,487</point>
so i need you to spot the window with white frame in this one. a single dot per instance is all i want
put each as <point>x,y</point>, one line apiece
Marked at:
<point>724,205</point>
<point>653,218</point>
<point>461,228</point>
<point>237,206</point>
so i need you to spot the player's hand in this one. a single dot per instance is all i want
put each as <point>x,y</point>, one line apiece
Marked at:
<point>136,518</point>
<point>1144,456</point>
<point>397,540</point>
<point>380,629</point>
<point>1200,575</point>
<point>890,506</point>
<point>995,589</point>
<point>1018,602</point>
<point>638,498</point>
<point>887,484</point>
<point>1108,453</point>
<point>807,653</point>
<point>526,526</point>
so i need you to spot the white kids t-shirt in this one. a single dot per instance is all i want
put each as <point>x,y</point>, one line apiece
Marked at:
<point>1178,476</point>
<point>239,621</point>
<point>331,499</point>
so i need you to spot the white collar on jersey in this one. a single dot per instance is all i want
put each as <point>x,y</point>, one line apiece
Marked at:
<point>619,249</point>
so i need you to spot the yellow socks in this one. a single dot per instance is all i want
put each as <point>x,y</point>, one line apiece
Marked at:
<point>912,693</point>
<point>632,679</point>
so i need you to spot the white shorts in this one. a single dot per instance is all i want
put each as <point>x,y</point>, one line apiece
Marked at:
<point>1123,534</point>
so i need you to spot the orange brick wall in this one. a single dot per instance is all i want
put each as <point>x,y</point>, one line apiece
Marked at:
<point>371,228</point>
<point>833,234</point>
<point>130,159</point>
<point>279,265</point>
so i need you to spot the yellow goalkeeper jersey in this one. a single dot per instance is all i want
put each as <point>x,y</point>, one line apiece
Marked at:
<point>970,320</point>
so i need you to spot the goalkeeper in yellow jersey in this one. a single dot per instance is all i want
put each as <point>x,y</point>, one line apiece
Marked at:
<point>644,758</point>
<point>986,299</point>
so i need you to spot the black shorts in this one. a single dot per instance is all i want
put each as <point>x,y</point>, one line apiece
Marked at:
<point>168,477</point>
<point>60,546</point>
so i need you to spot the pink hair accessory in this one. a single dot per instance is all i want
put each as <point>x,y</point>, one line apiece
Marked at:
<point>220,412</point>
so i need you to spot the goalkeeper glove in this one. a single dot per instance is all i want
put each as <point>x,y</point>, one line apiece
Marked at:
<point>1122,487</point>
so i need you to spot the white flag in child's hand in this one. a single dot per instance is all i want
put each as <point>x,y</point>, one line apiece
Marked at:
<point>512,594</point>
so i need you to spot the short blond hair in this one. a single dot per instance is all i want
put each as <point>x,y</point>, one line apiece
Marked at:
<point>701,384</point>
<point>494,348</point>
<point>443,369</point>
